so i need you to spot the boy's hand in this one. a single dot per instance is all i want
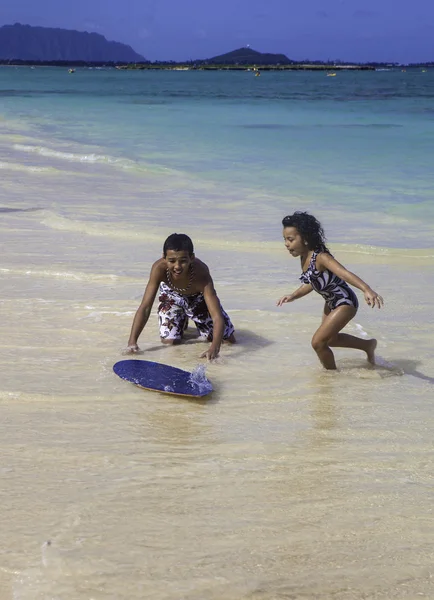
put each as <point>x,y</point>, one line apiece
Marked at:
<point>131,349</point>
<point>373,299</point>
<point>284,300</point>
<point>210,354</point>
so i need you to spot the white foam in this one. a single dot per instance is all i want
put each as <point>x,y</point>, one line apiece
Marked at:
<point>26,168</point>
<point>360,330</point>
<point>77,276</point>
<point>72,156</point>
<point>385,364</point>
<point>97,315</point>
<point>59,223</point>
<point>93,158</point>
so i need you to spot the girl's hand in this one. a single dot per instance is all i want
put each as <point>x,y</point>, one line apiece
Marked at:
<point>373,299</point>
<point>284,300</point>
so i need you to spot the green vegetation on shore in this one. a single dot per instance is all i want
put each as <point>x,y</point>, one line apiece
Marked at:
<point>246,67</point>
<point>172,66</point>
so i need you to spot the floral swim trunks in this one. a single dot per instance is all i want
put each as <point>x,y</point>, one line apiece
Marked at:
<point>175,309</point>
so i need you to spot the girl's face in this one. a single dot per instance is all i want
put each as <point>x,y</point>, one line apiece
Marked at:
<point>294,243</point>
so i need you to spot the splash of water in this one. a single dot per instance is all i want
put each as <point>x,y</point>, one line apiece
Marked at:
<point>198,379</point>
<point>382,363</point>
<point>360,330</point>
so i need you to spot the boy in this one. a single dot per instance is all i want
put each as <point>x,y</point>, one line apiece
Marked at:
<point>186,292</point>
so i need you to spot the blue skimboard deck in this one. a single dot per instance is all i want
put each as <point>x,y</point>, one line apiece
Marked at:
<point>162,378</point>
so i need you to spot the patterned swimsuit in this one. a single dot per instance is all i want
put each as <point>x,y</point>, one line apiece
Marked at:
<point>335,291</point>
<point>175,309</point>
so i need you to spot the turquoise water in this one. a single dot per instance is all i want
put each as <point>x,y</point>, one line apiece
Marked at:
<point>357,143</point>
<point>288,481</point>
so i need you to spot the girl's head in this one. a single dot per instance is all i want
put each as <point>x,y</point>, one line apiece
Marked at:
<point>302,232</point>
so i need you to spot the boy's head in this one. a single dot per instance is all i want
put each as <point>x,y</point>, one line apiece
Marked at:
<point>178,242</point>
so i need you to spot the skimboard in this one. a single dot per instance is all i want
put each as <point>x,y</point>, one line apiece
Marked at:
<point>163,378</point>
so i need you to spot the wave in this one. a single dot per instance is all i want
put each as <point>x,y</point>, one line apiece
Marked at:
<point>55,221</point>
<point>93,158</point>
<point>114,230</point>
<point>8,209</point>
<point>32,397</point>
<point>22,396</point>
<point>68,275</point>
<point>71,156</point>
<point>27,168</point>
<point>97,315</point>
<point>378,251</point>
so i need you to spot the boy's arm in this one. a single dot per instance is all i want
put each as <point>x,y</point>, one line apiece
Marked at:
<point>326,261</point>
<point>213,306</point>
<point>142,315</point>
<point>303,290</point>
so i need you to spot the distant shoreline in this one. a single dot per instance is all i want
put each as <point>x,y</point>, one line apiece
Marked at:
<point>257,68</point>
<point>19,42</point>
<point>188,66</point>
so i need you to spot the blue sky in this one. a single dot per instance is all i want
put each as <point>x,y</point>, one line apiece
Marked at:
<point>384,30</point>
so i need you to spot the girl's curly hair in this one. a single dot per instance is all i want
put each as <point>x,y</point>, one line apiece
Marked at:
<point>309,228</point>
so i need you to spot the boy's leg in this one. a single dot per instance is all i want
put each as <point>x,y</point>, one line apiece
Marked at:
<point>199,314</point>
<point>172,321</point>
<point>230,340</point>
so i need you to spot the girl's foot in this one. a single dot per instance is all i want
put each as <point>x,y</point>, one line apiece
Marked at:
<point>370,352</point>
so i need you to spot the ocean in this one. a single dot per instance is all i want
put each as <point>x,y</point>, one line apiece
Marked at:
<point>288,482</point>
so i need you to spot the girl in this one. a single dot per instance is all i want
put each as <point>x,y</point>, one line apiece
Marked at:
<point>304,237</point>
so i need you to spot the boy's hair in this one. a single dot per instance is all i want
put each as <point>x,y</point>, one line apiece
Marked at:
<point>178,242</point>
<point>309,228</point>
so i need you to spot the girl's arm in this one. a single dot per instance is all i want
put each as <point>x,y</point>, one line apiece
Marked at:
<point>326,261</point>
<point>303,290</point>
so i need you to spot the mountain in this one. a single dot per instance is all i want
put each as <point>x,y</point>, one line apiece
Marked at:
<point>248,56</point>
<point>46,44</point>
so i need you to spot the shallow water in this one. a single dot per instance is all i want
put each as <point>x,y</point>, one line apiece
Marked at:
<point>288,481</point>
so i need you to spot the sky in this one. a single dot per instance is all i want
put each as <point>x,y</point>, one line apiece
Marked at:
<point>350,30</point>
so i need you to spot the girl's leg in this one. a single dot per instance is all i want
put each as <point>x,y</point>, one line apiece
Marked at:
<point>328,335</point>
<point>344,340</point>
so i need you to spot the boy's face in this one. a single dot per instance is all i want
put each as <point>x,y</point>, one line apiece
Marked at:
<point>178,263</point>
<point>293,241</point>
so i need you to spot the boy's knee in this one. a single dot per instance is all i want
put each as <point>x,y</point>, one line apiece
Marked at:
<point>170,342</point>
